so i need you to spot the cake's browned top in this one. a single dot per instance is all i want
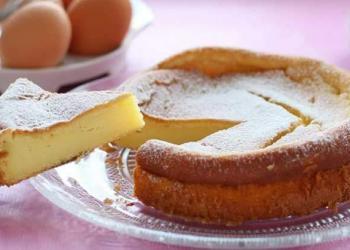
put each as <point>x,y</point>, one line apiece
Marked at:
<point>25,106</point>
<point>292,116</point>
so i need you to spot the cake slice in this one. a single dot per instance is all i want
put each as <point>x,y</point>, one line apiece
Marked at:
<point>40,130</point>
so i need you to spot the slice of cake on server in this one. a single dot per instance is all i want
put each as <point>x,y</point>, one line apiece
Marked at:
<point>40,130</point>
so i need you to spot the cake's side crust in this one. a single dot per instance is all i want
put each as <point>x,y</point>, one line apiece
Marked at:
<point>216,61</point>
<point>233,205</point>
<point>328,150</point>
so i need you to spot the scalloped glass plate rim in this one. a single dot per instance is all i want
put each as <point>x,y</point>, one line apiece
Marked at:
<point>284,241</point>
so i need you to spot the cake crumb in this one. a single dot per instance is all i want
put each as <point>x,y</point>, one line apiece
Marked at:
<point>117,188</point>
<point>108,148</point>
<point>270,167</point>
<point>165,81</point>
<point>312,99</point>
<point>108,201</point>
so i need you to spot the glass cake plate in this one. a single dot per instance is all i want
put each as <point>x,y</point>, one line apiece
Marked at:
<point>99,188</point>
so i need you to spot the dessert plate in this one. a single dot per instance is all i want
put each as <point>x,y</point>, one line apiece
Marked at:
<point>99,188</point>
<point>82,68</point>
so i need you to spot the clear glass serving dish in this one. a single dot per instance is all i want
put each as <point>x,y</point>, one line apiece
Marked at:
<point>99,188</point>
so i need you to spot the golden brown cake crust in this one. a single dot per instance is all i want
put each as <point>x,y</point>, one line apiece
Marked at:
<point>326,150</point>
<point>230,204</point>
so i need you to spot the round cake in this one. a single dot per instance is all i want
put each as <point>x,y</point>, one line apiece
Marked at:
<point>233,135</point>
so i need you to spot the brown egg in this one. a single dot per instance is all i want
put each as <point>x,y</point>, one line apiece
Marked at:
<point>2,3</point>
<point>25,2</point>
<point>98,26</point>
<point>66,3</point>
<point>36,35</point>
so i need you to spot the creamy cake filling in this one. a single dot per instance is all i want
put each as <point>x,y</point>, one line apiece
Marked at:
<point>265,109</point>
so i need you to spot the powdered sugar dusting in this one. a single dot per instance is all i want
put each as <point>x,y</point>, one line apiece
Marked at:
<point>25,106</point>
<point>267,104</point>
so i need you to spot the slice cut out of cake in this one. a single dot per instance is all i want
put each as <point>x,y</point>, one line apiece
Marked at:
<point>40,130</point>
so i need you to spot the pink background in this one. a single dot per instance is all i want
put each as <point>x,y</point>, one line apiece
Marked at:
<point>318,29</point>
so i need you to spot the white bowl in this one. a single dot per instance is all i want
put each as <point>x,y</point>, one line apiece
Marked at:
<point>79,68</point>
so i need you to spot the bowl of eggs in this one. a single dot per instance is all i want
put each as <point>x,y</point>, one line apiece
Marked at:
<point>60,42</point>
